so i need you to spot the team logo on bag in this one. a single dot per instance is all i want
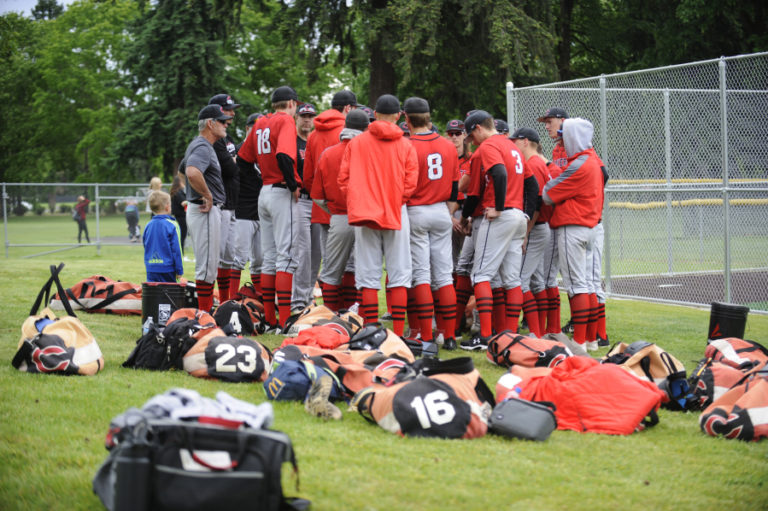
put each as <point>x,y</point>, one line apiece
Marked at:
<point>50,359</point>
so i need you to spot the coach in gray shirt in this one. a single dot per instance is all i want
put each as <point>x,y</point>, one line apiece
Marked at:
<point>205,193</point>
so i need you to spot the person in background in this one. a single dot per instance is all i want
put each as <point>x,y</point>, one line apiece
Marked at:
<point>179,208</point>
<point>81,208</point>
<point>155,185</point>
<point>132,217</point>
<point>162,244</point>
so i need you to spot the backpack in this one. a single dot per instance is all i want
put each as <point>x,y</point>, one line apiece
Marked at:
<point>162,349</point>
<point>507,349</point>
<point>739,353</point>
<point>50,344</point>
<point>101,294</point>
<point>430,398</point>
<point>239,317</point>
<point>740,413</point>
<point>649,362</point>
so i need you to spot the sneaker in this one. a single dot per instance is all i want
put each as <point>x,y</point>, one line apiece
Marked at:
<point>591,346</point>
<point>272,329</point>
<point>318,402</point>
<point>429,349</point>
<point>386,317</point>
<point>450,344</point>
<point>603,343</point>
<point>477,342</point>
<point>568,328</point>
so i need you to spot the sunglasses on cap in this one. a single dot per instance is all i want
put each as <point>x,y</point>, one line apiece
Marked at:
<point>455,133</point>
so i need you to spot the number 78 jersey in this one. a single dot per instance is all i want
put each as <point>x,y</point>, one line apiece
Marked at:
<point>438,169</point>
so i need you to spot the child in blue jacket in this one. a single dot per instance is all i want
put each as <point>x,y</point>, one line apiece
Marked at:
<point>162,245</point>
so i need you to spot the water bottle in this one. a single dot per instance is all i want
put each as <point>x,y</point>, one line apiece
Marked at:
<point>146,326</point>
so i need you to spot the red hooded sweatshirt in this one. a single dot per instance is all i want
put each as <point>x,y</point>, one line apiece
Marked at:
<point>328,126</point>
<point>378,175</point>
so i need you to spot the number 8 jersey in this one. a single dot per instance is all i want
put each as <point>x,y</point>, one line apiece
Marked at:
<point>438,169</point>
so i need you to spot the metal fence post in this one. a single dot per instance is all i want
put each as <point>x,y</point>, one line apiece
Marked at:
<point>511,113</point>
<point>668,164</point>
<point>5,221</point>
<point>606,208</point>
<point>726,200</point>
<point>98,231</point>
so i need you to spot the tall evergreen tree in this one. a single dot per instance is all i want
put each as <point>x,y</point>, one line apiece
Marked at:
<point>174,66</point>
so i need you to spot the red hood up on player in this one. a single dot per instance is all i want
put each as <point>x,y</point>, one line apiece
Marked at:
<point>329,120</point>
<point>577,136</point>
<point>385,130</point>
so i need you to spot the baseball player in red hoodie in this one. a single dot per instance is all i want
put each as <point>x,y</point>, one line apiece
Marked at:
<point>326,194</point>
<point>577,194</point>
<point>430,211</point>
<point>328,127</point>
<point>378,174</point>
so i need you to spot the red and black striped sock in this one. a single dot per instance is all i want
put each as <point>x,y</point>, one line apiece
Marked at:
<point>222,279</point>
<point>234,283</point>
<point>542,304</point>
<point>331,296</point>
<point>513,306</point>
<point>399,300</point>
<point>422,295</point>
<point>204,295</point>
<point>580,316</point>
<point>268,292</point>
<point>484,301</point>
<point>446,310</point>
<point>463,293</point>
<point>256,281</point>
<point>553,314</point>
<point>531,310</point>
<point>283,290</point>
<point>349,293</point>
<point>499,309</point>
<point>601,329</point>
<point>593,313</point>
<point>369,305</point>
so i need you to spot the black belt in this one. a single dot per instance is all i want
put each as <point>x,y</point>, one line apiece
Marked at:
<point>304,194</point>
<point>199,202</point>
<point>540,223</point>
<point>281,185</point>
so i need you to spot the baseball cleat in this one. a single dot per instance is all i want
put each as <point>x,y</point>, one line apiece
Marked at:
<point>318,402</point>
<point>477,342</point>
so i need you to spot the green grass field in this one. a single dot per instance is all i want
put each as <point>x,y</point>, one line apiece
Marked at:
<point>52,428</point>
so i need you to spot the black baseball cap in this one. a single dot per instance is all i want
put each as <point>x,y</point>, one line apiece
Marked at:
<point>501,126</point>
<point>368,111</point>
<point>251,120</point>
<point>454,125</point>
<point>416,105</point>
<point>306,109</point>
<point>213,112</point>
<point>475,118</point>
<point>557,113</point>
<point>404,127</point>
<point>387,104</point>
<point>224,100</point>
<point>528,133</point>
<point>344,98</point>
<point>284,93</point>
<point>356,120</point>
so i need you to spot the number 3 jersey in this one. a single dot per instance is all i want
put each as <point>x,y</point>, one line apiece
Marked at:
<point>438,169</point>
<point>272,134</point>
<point>444,405</point>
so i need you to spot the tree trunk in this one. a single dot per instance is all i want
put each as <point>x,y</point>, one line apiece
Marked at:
<point>382,75</point>
<point>564,46</point>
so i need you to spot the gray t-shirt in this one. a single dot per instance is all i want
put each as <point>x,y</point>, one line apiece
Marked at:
<point>200,154</point>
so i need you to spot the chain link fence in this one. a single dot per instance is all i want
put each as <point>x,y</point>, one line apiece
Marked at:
<point>686,146</point>
<point>24,203</point>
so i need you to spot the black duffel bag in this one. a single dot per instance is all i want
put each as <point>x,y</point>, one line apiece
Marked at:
<point>164,464</point>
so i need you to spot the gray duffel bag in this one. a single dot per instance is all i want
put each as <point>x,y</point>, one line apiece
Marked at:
<point>518,418</point>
